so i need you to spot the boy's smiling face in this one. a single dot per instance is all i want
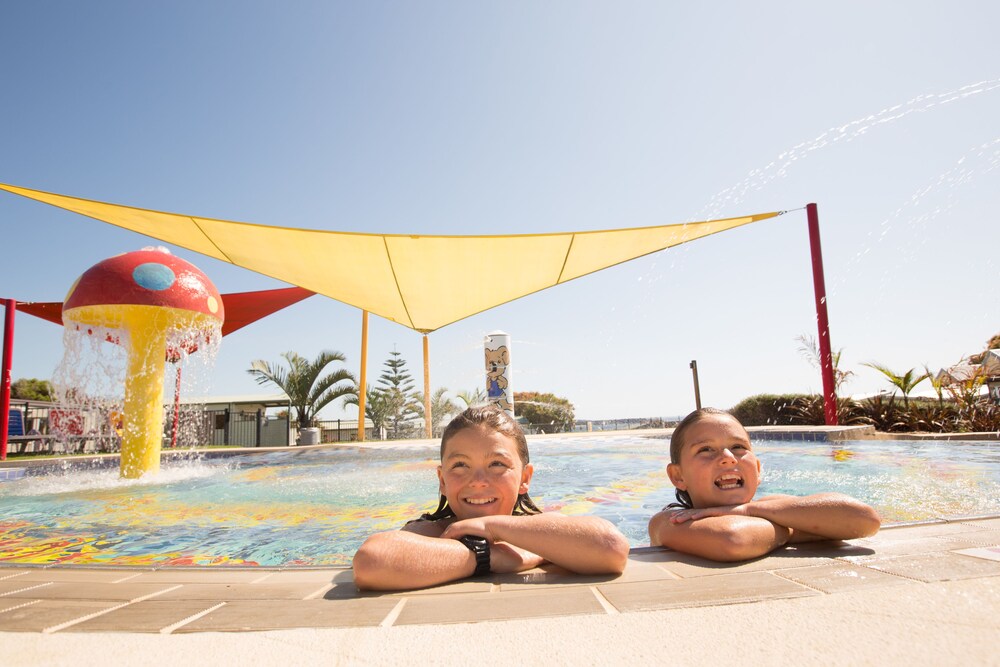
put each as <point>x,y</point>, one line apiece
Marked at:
<point>717,464</point>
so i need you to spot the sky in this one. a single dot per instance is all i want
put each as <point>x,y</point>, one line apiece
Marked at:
<point>528,117</point>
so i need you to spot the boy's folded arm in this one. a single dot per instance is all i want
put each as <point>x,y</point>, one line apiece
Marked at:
<point>821,516</point>
<point>721,538</point>
<point>400,559</point>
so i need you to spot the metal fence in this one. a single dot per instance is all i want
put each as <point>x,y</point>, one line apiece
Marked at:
<point>598,425</point>
<point>343,430</point>
<point>39,426</point>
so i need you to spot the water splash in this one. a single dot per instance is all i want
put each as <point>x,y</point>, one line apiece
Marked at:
<point>779,166</point>
<point>90,379</point>
<point>940,194</point>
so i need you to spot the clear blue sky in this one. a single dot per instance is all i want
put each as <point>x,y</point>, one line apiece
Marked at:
<point>517,117</point>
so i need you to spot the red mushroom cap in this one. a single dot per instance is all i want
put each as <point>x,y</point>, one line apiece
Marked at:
<point>147,278</point>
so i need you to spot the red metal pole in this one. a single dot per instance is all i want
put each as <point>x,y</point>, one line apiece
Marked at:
<point>822,321</point>
<point>10,307</point>
<point>177,407</point>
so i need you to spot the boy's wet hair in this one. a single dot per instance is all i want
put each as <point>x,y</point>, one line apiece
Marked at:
<point>494,418</point>
<point>677,444</point>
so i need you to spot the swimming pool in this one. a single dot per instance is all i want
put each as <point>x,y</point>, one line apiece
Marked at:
<point>314,507</point>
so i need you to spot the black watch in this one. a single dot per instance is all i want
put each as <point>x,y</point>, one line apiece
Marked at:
<point>479,546</point>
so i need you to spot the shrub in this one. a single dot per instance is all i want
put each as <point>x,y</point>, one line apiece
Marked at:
<point>811,411</point>
<point>767,410</point>
<point>546,412</point>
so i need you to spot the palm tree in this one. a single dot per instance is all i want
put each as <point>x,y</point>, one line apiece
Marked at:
<point>378,408</point>
<point>937,383</point>
<point>443,408</point>
<point>905,382</point>
<point>472,398</point>
<point>308,393</point>
<point>810,350</point>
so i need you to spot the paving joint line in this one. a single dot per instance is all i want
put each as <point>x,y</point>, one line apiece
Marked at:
<point>190,619</point>
<point>318,592</point>
<point>609,608</point>
<point>87,617</point>
<point>18,606</point>
<point>27,588</point>
<point>393,614</point>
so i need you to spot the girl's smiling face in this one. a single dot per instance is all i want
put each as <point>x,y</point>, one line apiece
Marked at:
<point>481,473</point>
<point>717,464</point>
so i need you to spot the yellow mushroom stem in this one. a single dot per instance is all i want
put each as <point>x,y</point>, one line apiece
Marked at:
<point>148,328</point>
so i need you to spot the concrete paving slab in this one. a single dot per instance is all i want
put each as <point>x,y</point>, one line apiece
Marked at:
<point>39,615</point>
<point>145,616</point>
<point>839,577</point>
<point>477,607</point>
<point>701,591</point>
<point>90,591</point>
<point>246,615</point>
<point>229,592</point>
<point>935,567</point>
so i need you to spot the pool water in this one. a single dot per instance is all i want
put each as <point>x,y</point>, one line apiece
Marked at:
<point>315,507</point>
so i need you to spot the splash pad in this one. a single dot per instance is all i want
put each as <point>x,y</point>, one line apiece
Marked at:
<point>158,308</point>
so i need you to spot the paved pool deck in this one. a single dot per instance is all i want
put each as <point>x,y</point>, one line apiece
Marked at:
<point>923,594</point>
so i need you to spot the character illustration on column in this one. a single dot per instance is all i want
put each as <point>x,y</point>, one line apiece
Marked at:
<point>496,380</point>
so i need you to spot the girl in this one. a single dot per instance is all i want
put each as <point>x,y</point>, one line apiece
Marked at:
<point>485,521</point>
<point>716,473</point>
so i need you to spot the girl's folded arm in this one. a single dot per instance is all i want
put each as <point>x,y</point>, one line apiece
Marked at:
<point>401,559</point>
<point>582,544</point>
<point>723,538</point>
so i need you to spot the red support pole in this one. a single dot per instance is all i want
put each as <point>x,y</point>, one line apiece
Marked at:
<point>10,307</point>
<point>177,407</point>
<point>822,321</point>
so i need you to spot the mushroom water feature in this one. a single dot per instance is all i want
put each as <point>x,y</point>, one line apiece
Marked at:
<point>158,307</point>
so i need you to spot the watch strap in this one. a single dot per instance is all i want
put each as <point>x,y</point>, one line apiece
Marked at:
<point>480,547</point>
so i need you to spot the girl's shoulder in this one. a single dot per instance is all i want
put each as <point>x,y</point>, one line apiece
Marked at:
<point>427,527</point>
<point>674,507</point>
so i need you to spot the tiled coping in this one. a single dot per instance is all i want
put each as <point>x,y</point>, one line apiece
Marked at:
<point>190,600</point>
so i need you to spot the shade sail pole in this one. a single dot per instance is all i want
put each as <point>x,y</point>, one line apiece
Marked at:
<point>429,419</point>
<point>363,376</point>
<point>10,306</point>
<point>822,321</point>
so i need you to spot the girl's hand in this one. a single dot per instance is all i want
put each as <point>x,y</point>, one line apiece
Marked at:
<point>480,527</point>
<point>506,558</point>
<point>682,516</point>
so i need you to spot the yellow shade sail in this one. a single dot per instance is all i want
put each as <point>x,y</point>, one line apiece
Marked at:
<point>422,282</point>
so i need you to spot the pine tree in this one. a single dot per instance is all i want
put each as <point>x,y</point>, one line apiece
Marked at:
<point>397,385</point>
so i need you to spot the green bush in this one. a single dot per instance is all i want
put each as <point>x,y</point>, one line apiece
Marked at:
<point>768,410</point>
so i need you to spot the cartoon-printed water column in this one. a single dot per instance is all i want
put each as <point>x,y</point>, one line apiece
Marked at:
<point>156,305</point>
<point>498,388</point>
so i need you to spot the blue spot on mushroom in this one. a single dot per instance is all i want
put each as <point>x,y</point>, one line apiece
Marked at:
<point>153,276</point>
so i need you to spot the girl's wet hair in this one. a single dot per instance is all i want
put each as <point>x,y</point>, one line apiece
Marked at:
<point>495,419</point>
<point>677,444</point>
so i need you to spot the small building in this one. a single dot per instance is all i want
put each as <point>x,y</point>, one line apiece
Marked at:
<point>991,369</point>
<point>983,369</point>
<point>241,420</point>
